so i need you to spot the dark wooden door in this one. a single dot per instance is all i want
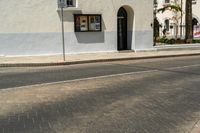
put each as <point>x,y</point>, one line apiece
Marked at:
<point>122,29</point>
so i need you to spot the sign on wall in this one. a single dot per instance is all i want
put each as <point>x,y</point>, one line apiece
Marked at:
<point>61,3</point>
<point>196,33</point>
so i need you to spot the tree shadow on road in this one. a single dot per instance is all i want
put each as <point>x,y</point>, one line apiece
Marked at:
<point>165,103</point>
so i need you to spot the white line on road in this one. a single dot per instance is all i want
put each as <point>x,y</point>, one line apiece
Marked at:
<point>181,67</point>
<point>81,79</point>
<point>99,77</point>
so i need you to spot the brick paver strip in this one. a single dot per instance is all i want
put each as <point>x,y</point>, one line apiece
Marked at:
<point>114,105</point>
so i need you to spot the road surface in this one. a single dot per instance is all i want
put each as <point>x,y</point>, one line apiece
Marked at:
<point>143,96</point>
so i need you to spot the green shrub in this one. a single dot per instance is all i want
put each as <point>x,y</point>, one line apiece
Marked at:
<point>172,41</point>
<point>162,40</point>
<point>196,41</point>
<point>167,41</point>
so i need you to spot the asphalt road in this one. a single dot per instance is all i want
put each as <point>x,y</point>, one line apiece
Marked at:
<point>145,96</point>
<point>15,77</point>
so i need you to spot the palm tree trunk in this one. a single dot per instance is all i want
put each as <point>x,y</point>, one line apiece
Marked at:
<point>188,19</point>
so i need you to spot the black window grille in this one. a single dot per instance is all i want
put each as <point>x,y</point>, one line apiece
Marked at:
<point>70,3</point>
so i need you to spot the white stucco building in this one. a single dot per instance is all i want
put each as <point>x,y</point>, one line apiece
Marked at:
<point>165,19</point>
<point>33,27</point>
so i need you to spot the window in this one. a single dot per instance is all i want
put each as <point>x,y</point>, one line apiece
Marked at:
<point>87,23</point>
<point>194,1</point>
<point>67,3</point>
<point>167,25</point>
<point>167,1</point>
<point>70,3</point>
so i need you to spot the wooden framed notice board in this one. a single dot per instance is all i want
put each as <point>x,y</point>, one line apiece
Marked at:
<point>87,22</point>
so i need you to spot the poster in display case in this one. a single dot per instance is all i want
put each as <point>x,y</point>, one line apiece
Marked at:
<point>87,23</point>
<point>83,23</point>
<point>94,23</point>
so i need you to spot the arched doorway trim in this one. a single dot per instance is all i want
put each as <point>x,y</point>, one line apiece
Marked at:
<point>130,26</point>
<point>196,17</point>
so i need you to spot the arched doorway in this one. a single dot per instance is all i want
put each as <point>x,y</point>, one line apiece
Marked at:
<point>156,28</point>
<point>166,25</point>
<point>122,29</point>
<point>194,24</point>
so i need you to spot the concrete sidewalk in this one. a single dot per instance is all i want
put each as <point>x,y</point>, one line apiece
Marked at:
<point>51,60</point>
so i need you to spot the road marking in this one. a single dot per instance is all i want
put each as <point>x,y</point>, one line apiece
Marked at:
<point>80,79</point>
<point>98,77</point>
<point>195,65</point>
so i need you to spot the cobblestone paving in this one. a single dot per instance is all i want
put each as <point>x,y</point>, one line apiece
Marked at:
<point>157,102</point>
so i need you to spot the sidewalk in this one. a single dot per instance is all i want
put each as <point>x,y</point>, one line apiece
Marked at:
<point>162,51</point>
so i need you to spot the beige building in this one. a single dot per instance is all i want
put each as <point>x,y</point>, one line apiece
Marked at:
<point>166,21</point>
<point>33,27</point>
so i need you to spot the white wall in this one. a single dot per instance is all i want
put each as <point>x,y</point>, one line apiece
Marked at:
<point>33,27</point>
<point>162,17</point>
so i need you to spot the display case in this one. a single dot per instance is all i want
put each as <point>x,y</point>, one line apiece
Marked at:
<point>87,22</point>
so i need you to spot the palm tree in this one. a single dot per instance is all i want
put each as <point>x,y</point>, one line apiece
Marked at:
<point>155,22</point>
<point>188,22</point>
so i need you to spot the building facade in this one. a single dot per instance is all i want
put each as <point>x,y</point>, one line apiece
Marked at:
<point>167,21</point>
<point>33,27</point>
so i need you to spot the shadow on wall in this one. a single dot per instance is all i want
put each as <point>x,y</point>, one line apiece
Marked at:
<point>92,37</point>
<point>68,15</point>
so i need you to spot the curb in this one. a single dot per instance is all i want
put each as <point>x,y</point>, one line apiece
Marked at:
<point>92,61</point>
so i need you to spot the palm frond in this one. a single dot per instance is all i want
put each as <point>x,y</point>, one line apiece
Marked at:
<point>175,8</point>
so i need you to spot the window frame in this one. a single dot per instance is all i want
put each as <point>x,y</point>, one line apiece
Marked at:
<point>74,3</point>
<point>167,1</point>
<point>194,2</point>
